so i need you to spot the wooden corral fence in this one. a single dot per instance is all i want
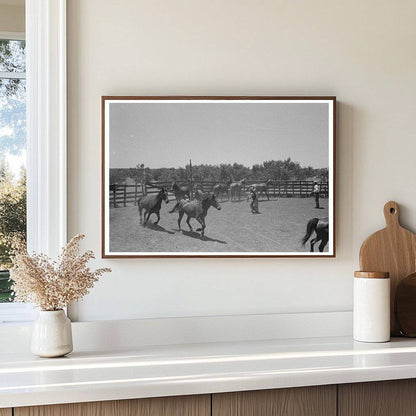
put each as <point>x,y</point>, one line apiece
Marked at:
<point>125,195</point>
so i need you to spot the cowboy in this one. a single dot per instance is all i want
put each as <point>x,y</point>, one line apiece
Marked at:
<point>254,201</point>
<point>316,192</point>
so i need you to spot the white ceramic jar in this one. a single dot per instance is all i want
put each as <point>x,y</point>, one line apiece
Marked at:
<point>371,307</point>
<point>52,334</point>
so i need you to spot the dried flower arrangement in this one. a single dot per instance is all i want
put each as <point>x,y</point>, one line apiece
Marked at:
<point>52,285</point>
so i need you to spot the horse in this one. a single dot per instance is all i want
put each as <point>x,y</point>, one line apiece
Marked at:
<point>196,208</point>
<point>151,205</point>
<point>221,188</point>
<point>198,194</point>
<point>262,188</point>
<point>235,189</point>
<point>180,192</point>
<point>320,227</point>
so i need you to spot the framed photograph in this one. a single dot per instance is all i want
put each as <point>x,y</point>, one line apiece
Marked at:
<point>218,176</point>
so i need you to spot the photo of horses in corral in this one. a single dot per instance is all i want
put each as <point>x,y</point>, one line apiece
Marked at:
<point>270,200</point>
<point>281,226</point>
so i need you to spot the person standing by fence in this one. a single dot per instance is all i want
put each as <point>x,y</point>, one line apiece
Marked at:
<point>254,201</point>
<point>316,193</point>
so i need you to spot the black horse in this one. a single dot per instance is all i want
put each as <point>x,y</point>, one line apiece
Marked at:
<point>180,192</point>
<point>196,208</point>
<point>151,205</point>
<point>320,227</point>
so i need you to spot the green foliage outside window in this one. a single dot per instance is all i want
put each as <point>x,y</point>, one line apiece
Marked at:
<point>12,223</point>
<point>12,146</point>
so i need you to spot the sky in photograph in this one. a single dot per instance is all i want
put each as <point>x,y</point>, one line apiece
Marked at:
<point>169,134</point>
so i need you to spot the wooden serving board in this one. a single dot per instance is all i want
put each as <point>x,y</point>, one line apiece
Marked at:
<point>392,250</point>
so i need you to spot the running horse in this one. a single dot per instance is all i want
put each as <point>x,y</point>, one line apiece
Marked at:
<point>151,204</point>
<point>235,189</point>
<point>180,192</point>
<point>196,208</point>
<point>320,227</point>
<point>221,188</point>
<point>261,188</point>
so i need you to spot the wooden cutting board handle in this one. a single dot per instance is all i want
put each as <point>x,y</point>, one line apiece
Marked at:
<point>393,250</point>
<point>391,214</point>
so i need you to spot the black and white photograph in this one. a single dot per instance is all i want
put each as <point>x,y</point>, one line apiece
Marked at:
<point>218,176</point>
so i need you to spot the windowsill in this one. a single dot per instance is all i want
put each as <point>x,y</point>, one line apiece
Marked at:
<point>151,371</point>
<point>16,314</point>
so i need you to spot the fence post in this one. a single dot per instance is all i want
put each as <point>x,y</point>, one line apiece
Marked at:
<point>115,195</point>
<point>135,194</point>
<point>125,195</point>
<point>144,189</point>
<point>191,179</point>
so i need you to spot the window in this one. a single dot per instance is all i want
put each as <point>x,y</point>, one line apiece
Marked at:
<point>43,93</point>
<point>12,164</point>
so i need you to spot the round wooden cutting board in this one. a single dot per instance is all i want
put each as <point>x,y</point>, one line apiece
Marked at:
<point>392,250</point>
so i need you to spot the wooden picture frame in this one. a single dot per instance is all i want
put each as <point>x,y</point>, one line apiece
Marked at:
<point>145,138</point>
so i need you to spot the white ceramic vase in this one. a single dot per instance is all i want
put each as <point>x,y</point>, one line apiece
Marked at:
<point>52,334</point>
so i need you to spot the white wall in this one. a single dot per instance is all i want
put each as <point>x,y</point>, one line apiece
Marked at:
<point>361,51</point>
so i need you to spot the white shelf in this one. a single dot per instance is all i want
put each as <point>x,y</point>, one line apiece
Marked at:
<point>148,371</point>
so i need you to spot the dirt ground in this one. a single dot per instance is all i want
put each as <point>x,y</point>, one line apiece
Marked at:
<point>279,227</point>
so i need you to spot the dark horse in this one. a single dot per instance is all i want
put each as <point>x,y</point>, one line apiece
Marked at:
<point>320,227</point>
<point>151,205</point>
<point>180,192</point>
<point>196,208</point>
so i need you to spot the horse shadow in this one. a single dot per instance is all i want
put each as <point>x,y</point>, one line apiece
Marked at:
<point>157,227</point>
<point>198,236</point>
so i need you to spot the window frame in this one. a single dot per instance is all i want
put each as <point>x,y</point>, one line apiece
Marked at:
<point>12,35</point>
<point>46,139</point>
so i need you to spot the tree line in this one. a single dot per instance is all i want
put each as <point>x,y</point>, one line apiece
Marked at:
<point>273,169</point>
<point>12,212</point>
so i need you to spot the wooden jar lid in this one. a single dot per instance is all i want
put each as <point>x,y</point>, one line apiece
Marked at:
<point>372,275</point>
